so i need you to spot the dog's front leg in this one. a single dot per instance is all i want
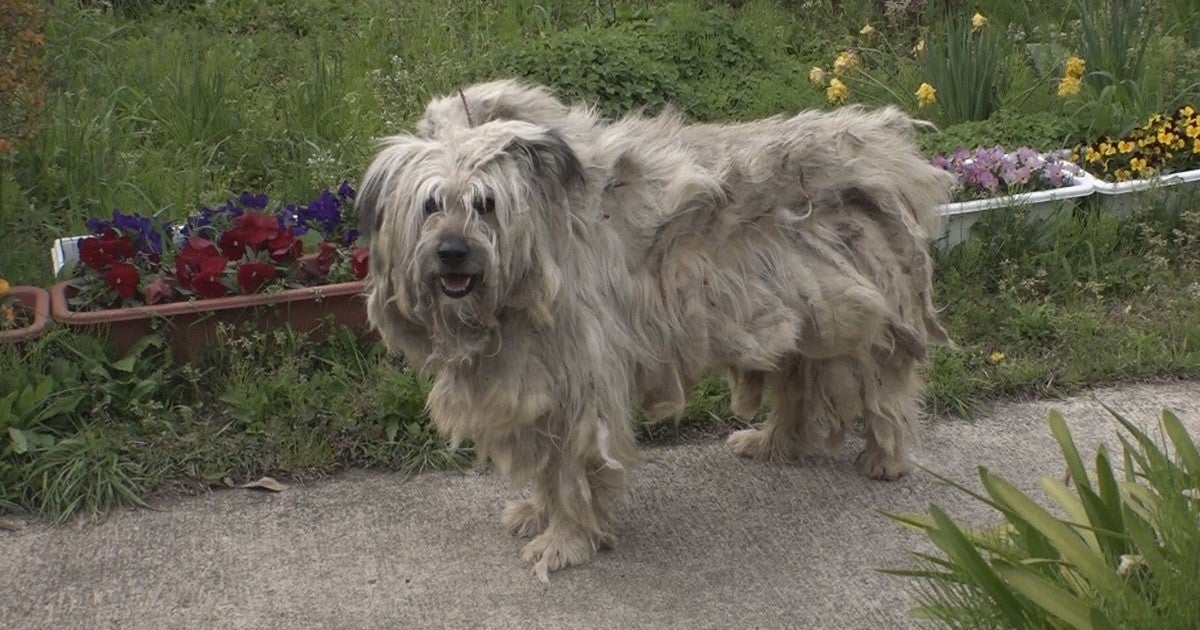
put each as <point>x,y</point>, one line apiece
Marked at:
<point>575,496</point>
<point>576,525</point>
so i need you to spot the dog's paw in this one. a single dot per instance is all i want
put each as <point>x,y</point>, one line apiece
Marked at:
<point>524,518</point>
<point>557,549</point>
<point>750,443</point>
<point>879,465</point>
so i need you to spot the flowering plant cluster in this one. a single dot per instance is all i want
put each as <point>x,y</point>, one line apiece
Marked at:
<point>1165,144</point>
<point>236,248</point>
<point>833,80</point>
<point>990,172</point>
<point>1073,70</point>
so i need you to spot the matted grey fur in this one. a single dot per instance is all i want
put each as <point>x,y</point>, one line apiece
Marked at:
<point>551,270</point>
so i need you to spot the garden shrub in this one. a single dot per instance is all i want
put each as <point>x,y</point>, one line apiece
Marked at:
<point>1044,131</point>
<point>709,64</point>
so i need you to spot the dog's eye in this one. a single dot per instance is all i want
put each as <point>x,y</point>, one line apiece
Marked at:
<point>484,205</point>
<point>431,206</point>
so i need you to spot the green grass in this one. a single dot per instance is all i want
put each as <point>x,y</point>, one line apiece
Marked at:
<point>159,107</point>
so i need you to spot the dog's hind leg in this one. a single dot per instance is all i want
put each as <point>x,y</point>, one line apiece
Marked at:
<point>783,435</point>
<point>745,391</point>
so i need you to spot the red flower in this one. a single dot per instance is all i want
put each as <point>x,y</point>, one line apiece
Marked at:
<point>188,261</point>
<point>317,265</point>
<point>359,258</point>
<point>232,244</point>
<point>122,278</point>
<point>207,280</point>
<point>285,247</point>
<point>199,266</point>
<point>253,229</point>
<point>98,251</point>
<point>252,275</point>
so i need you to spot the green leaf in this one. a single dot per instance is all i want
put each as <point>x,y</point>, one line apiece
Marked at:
<point>1049,596</point>
<point>20,442</point>
<point>951,539</point>
<point>126,364</point>
<point>1058,426</point>
<point>1072,506</point>
<point>1189,456</point>
<point>1065,540</point>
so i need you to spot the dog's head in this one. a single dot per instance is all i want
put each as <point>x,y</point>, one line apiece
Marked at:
<point>468,224</point>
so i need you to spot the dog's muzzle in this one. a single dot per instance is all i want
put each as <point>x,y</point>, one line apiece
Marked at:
<point>456,278</point>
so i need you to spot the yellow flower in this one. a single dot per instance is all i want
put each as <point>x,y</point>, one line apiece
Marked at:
<point>1193,130</point>
<point>919,47</point>
<point>1196,147</point>
<point>926,95</point>
<point>1123,174</point>
<point>817,76</point>
<point>868,31</point>
<point>4,287</point>
<point>837,91</point>
<point>1166,138</point>
<point>1187,110</point>
<point>1092,155</point>
<point>996,357</point>
<point>1076,67</point>
<point>978,22</point>
<point>1069,86</point>
<point>1137,165</point>
<point>1107,149</point>
<point>1125,146</point>
<point>847,60</point>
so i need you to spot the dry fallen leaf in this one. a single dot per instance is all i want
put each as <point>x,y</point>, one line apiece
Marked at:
<point>266,483</point>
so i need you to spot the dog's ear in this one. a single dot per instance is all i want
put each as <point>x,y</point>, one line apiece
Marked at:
<point>549,158</point>
<point>394,154</point>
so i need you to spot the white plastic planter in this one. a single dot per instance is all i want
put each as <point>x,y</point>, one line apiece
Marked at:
<point>960,216</point>
<point>65,251</point>
<point>1122,198</point>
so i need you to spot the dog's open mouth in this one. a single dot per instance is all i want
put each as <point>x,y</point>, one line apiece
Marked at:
<point>457,285</point>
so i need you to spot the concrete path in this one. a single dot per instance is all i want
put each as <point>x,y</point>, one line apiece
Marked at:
<point>708,541</point>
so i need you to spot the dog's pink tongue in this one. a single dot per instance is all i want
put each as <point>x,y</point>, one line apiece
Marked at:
<point>456,282</point>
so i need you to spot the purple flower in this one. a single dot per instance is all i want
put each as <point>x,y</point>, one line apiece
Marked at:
<point>324,211</point>
<point>258,202</point>
<point>1053,174</point>
<point>145,236</point>
<point>345,191</point>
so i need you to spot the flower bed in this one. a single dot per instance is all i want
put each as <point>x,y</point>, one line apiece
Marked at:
<point>236,248</point>
<point>234,264</point>
<point>1165,145</point>
<point>993,178</point>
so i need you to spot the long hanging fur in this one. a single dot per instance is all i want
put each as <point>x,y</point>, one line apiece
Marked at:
<point>627,259</point>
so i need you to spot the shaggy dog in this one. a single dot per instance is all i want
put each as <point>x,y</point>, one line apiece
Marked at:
<point>550,269</point>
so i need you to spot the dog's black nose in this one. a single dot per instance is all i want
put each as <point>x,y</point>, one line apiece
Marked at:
<point>452,252</point>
